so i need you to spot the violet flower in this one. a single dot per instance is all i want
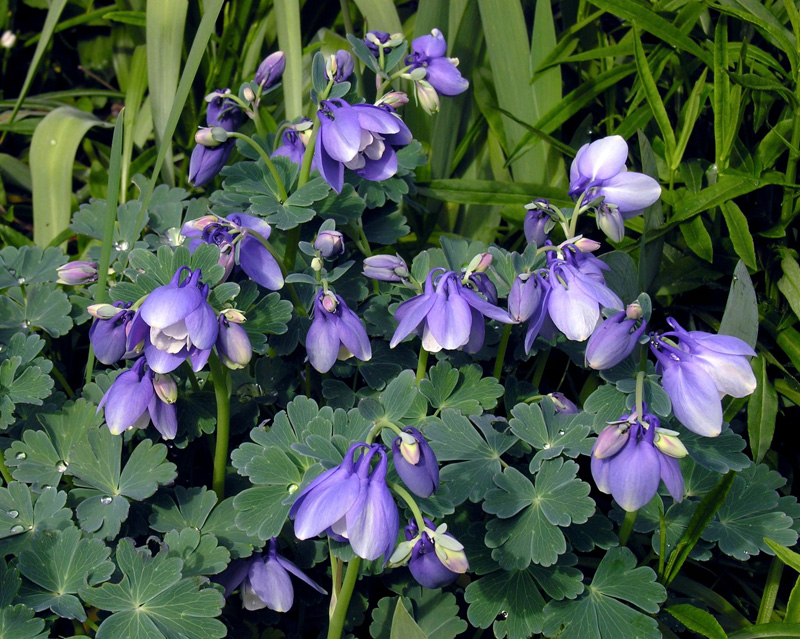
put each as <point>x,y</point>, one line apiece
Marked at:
<point>264,580</point>
<point>233,343</point>
<point>699,371</point>
<point>386,268</point>
<point>538,222</point>
<point>361,137</point>
<point>330,244</point>
<point>631,457</point>
<point>236,238</point>
<point>375,38</point>
<point>335,333</point>
<point>449,313</point>
<point>598,170</point>
<point>339,66</point>
<point>206,162</point>
<point>109,336</point>
<point>270,70</point>
<point>352,504</point>
<point>429,52</point>
<point>415,462</point>
<point>614,339</point>
<point>435,558</point>
<point>175,322</point>
<point>563,405</point>
<point>137,397</point>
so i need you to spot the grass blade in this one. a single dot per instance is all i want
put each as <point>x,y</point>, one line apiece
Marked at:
<point>166,20</point>
<point>137,85</point>
<point>287,14</point>
<point>762,411</point>
<point>53,147</point>
<point>380,14</point>
<point>740,234</point>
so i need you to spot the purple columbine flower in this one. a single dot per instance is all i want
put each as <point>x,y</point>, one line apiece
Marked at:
<point>386,268</point>
<point>449,313</point>
<point>700,370</point>
<point>77,273</point>
<point>293,142</point>
<point>264,580</point>
<point>415,462</point>
<point>434,556</point>
<point>615,338</point>
<point>361,137</point>
<point>271,69</point>
<point>233,343</point>
<point>429,52</point>
<point>538,222</point>
<point>236,238</point>
<point>206,162</point>
<point>339,66</point>
<point>175,322</point>
<point>375,38</point>
<point>598,170</point>
<point>631,457</point>
<point>525,296</point>
<point>563,405</point>
<point>109,336</point>
<point>330,244</point>
<point>351,503</point>
<point>335,333</point>
<point>139,396</point>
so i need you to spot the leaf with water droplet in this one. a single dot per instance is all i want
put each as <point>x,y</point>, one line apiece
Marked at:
<point>44,306</point>
<point>34,513</point>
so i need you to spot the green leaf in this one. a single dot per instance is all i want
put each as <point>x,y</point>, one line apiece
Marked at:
<point>789,284</point>
<point>53,146</point>
<point>698,621</point>
<point>739,232</point>
<point>434,611</point>
<point>399,395</point>
<point>762,411</point>
<point>403,626</point>
<point>721,453</point>
<point>188,508</point>
<point>269,316</point>
<point>698,238</point>
<point>23,513</point>
<point>201,554</point>
<point>43,306</point>
<point>510,602</point>
<point>461,389</point>
<point>60,563</point>
<point>764,630</point>
<point>740,318</point>
<point>601,613</point>
<point>789,557</point>
<point>622,277</point>
<point>18,622</point>
<point>152,601</point>
<point>464,191</point>
<point>476,453</point>
<point>530,513</point>
<point>9,583</point>
<point>29,265</point>
<point>750,513</point>
<point>380,14</point>
<point>23,379</point>
<point>287,16</point>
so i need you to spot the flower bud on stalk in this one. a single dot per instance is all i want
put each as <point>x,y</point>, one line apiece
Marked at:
<point>329,244</point>
<point>386,268</point>
<point>77,273</point>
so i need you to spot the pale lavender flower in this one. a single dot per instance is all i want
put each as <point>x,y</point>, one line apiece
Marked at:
<point>386,268</point>
<point>335,333</point>
<point>329,244</point>
<point>435,558</point>
<point>271,69</point>
<point>339,66</point>
<point>613,340</point>
<point>415,462</point>
<point>109,337</point>
<point>429,52</point>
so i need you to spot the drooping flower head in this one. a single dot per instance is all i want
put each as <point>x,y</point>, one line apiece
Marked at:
<point>237,237</point>
<point>699,371</point>
<point>233,344</point>
<point>562,404</point>
<point>336,333</point>
<point>339,66</point>
<point>450,312</point>
<point>264,580</point>
<point>175,322</point>
<point>415,462</point>
<point>539,221</point>
<point>352,503</point>
<point>375,39</point>
<point>139,396</point>
<point>362,138</point>
<point>271,69</point>
<point>109,335</point>
<point>294,140</point>
<point>434,556</point>
<point>615,338</point>
<point>632,456</point>
<point>598,170</point>
<point>429,52</point>
<point>330,244</point>
<point>207,161</point>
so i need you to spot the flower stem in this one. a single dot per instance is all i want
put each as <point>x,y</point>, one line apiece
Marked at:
<point>422,364</point>
<point>640,394</point>
<point>770,591</point>
<point>308,156</point>
<point>501,352</point>
<point>343,602</point>
<point>4,470</point>
<point>263,154</point>
<point>63,381</point>
<point>406,497</point>
<point>627,527</point>
<point>222,393</point>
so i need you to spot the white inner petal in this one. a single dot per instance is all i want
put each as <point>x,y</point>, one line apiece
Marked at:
<point>171,339</point>
<point>356,163</point>
<point>374,151</point>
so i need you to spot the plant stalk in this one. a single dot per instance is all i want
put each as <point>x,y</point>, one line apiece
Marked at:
<point>422,364</point>
<point>770,591</point>
<point>501,352</point>
<point>343,602</point>
<point>222,393</point>
<point>627,527</point>
<point>263,155</point>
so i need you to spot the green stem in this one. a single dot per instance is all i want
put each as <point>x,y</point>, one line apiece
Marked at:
<point>501,352</point>
<point>89,366</point>
<point>308,156</point>
<point>378,427</point>
<point>406,497</point>
<point>192,377</point>
<point>4,470</point>
<point>787,208</point>
<point>662,550</point>
<point>422,364</point>
<point>343,602</point>
<point>62,380</point>
<point>292,242</point>
<point>223,396</point>
<point>538,371</point>
<point>263,155</point>
<point>770,591</point>
<point>627,527</point>
<point>640,394</point>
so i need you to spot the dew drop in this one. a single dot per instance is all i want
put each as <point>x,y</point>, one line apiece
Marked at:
<point>121,246</point>
<point>46,486</point>
<point>21,456</point>
<point>503,615</point>
<point>293,488</point>
<point>61,466</point>
<point>15,530</point>
<point>13,514</point>
<point>26,324</point>
<point>21,280</point>
<point>53,142</point>
<point>547,446</point>
<point>30,526</point>
<point>105,500</point>
<point>562,432</point>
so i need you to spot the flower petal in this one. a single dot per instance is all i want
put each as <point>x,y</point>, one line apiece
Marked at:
<point>259,265</point>
<point>634,474</point>
<point>203,326</point>
<point>271,583</point>
<point>630,191</point>
<point>322,343</point>
<point>603,158</point>
<point>445,77</point>
<point>695,399</point>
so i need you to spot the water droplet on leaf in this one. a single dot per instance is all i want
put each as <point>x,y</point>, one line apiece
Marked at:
<point>13,514</point>
<point>105,500</point>
<point>61,466</point>
<point>547,446</point>
<point>21,456</point>
<point>15,530</point>
<point>562,432</point>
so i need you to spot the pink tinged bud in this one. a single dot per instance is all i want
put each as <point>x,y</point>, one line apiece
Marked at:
<point>668,443</point>
<point>449,551</point>
<point>484,263</point>
<point>77,273</point>
<point>103,311</point>
<point>205,136</point>
<point>426,95</point>
<point>393,99</point>
<point>232,315</point>
<point>610,442</point>
<point>166,388</point>
<point>586,245</point>
<point>633,311</point>
<point>200,223</point>
<point>329,303</point>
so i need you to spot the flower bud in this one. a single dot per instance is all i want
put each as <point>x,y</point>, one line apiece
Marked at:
<point>375,40</point>
<point>271,69</point>
<point>668,443</point>
<point>536,223</point>
<point>484,263</point>
<point>426,95</point>
<point>77,273</point>
<point>416,462</point>
<point>609,220</point>
<point>198,225</point>
<point>329,302</point>
<point>339,66</point>
<point>437,558</point>
<point>563,405</point>
<point>316,264</point>
<point>386,268</point>
<point>329,244</point>
<point>233,344</point>
<point>586,245</point>
<point>610,441</point>
<point>633,311</point>
<point>232,315</point>
<point>103,311</point>
<point>166,388</point>
<point>205,137</point>
<point>8,39</point>
<point>394,99</point>
<point>524,297</point>
<point>248,94</point>
<point>612,341</point>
